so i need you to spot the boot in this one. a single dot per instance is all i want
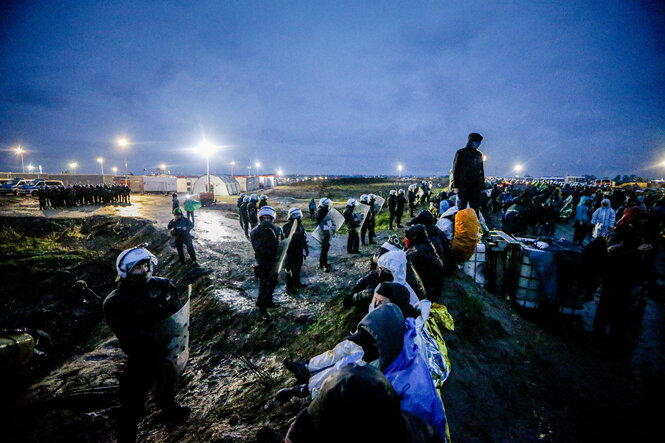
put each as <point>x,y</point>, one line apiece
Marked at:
<point>298,368</point>
<point>284,395</point>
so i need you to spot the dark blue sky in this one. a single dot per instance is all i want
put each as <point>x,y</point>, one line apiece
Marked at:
<point>563,87</point>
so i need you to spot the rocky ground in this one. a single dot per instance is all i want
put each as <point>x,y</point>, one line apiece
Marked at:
<point>515,375</point>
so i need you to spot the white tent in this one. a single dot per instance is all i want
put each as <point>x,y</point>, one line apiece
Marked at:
<point>220,184</point>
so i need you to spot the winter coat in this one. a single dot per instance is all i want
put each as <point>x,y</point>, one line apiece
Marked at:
<point>392,203</point>
<point>436,235</point>
<point>252,212</point>
<point>468,170</point>
<point>265,240</point>
<point>603,220</point>
<point>133,310</point>
<point>401,201</point>
<point>180,228</point>
<point>427,264</point>
<point>358,404</point>
<point>396,263</point>
<point>583,212</point>
<point>298,245</point>
<point>446,222</point>
<point>403,366</point>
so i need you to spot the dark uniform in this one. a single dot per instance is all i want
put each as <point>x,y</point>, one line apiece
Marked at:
<point>353,242</point>
<point>295,255</point>
<point>412,200</point>
<point>325,237</point>
<point>368,224</point>
<point>401,201</point>
<point>132,311</point>
<point>265,240</point>
<point>180,227</point>
<point>244,217</point>
<point>41,193</point>
<point>468,174</point>
<point>392,208</point>
<point>312,209</point>
<point>252,211</point>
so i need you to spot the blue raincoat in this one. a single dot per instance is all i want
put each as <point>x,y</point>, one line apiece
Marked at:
<point>411,379</point>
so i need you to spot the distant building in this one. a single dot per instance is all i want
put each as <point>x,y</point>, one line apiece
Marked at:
<point>267,181</point>
<point>185,184</point>
<point>221,185</point>
<point>160,183</point>
<point>248,182</point>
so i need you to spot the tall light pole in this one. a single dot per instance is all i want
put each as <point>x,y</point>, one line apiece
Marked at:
<point>19,151</point>
<point>258,165</point>
<point>40,170</point>
<point>30,168</point>
<point>115,171</point>
<point>399,170</point>
<point>206,149</point>
<point>124,143</point>
<point>101,163</point>
<point>232,165</point>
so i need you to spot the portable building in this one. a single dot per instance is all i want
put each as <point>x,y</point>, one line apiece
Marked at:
<point>221,185</point>
<point>159,183</point>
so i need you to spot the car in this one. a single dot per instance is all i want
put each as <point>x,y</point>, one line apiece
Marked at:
<point>11,187</point>
<point>30,187</point>
<point>33,186</point>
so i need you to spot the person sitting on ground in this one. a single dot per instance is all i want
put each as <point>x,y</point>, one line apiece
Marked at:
<point>359,396</point>
<point>442,246</point>
<point>394,267</point>
<point>421,253</point>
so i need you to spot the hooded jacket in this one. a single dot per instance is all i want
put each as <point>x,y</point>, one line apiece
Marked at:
<point>396,262</point>
<point>438,238</point>
<point>447,222</point>
<point>363,400</point>
<point>603,219</point>
<point>403,366</point>
<point>427,264</point>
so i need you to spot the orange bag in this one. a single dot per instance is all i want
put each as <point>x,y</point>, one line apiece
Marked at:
<point>467,235</point>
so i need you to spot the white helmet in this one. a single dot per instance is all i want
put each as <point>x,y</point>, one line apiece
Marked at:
<point>372,196</point>
<point>401,191</point>
<point>393,192</point>
<point>254,197</point>
<point>295,213</point>
<point>363,198</point>
<point>243,195</point>
<point>351,202</point>
<point>264,197</point>
<point>267,211</point>
<point>131,257</point>
<point>325,201</point>
<point>245,199</point>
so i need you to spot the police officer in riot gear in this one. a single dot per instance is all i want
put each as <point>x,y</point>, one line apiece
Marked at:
<point>244,215</point>
<point>180,227</point>
<point>265,241</point>
<point>370,219</point>
<point>321,216</point>
<point>134,311</point>
<point>297,251</point>
<point>252,210</point>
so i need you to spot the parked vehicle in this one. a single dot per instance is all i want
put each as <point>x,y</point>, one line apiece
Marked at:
<point>11,187</point>
<point>30,187</point>
<point>33,186</point>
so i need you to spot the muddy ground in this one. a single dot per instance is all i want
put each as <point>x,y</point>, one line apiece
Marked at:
<point>515,375</point>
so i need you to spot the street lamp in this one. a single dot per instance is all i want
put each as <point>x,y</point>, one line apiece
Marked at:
<point>206,149</point>
<point>30,168</point>
<point>518,168</point>
<point>115,171</point>
<point>484,158</point>
<point>399,170</point>
<point>101,163</point>
<point>232,165</point>
<point>124,143</point>
<point>163,168</point>
<point>73,166</point>
<point>19,151</point>
<point>258,165</point>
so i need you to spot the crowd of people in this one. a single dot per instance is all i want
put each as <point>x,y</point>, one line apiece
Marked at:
<point>392,368</point>
<point>82,195</point>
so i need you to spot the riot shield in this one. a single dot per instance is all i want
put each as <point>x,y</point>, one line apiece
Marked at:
<point>567,209</point>
<point>378,204</point>
<point>361,210</point>
<point>173,336</point>
<point>333,221</point>
<point>282,248</point>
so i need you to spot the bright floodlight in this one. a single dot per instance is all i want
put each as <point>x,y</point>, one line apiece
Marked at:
<point>205,148</point>
<point>484,158</point>
<point>279,172</point>
<point>400,167</point>
<point>122,142</point>
<point>114,169</point>
<point>30,167</point>
<point>162,166</point>
<point>518,168</point>
<point>100,160</point>
<point>233,163</point>
<point>73,165</point>
<point>19,150</point>
<point>257,164</point>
